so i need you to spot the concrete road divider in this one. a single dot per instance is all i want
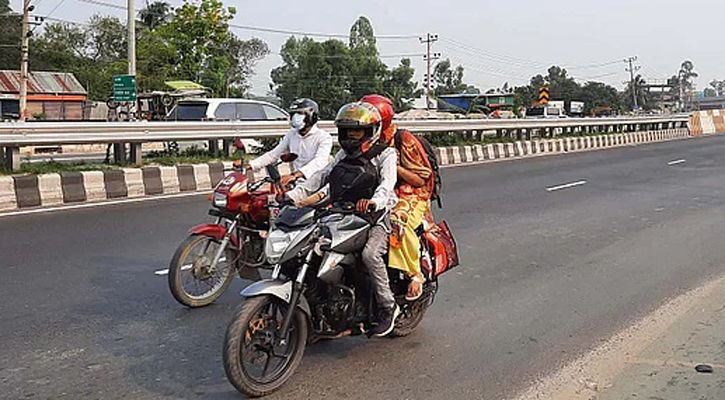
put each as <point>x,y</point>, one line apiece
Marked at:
<point>48,190</point>
<point>529,148</point>
<point>36,191</point>
<point>707,122</point>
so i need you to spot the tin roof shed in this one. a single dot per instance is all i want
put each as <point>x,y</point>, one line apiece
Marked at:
<point>42,83</point>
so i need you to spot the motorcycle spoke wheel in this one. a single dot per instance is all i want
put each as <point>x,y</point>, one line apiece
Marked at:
<point>200,281</point>
<point>191,279</point>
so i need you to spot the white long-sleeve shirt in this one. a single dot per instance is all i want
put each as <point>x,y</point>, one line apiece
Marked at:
<point>313,151</point>
<point>384,196</point>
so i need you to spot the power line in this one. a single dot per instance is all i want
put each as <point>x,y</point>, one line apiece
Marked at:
<point>586,78</point>
<point>65,21</point>
<point>270,30</point>
<point>346,56</point>
<point>60,3</point>
<point>520,62</point>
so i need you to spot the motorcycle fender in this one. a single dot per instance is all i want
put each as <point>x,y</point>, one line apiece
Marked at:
<point>214,231</point>
<point>282,290</point>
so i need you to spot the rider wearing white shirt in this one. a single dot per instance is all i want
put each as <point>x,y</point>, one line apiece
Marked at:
<point>311,144</point>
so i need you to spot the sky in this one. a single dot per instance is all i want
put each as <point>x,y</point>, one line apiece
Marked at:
<point>495,41</point>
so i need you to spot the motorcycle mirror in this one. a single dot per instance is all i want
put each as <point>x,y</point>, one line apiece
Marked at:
<point>273,173</point>
<point>239,144</point>
<point>288,157</point>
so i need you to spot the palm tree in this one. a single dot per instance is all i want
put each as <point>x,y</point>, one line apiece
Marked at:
<point>155,14</point>
<point>685,75</point>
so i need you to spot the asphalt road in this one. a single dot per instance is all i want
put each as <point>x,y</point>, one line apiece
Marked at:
<point>546,276</point>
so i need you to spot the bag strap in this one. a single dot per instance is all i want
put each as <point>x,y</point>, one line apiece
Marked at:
<point>375,151</point>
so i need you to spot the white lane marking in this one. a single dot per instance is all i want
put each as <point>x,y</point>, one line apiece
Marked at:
<point>102,203</point>
<point>675,162</point>
<point>186,267</point>
<point>565,186</point>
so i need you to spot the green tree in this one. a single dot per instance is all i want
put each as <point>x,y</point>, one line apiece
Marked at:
<point>155,14</point>
<point>367,72</point>
<point>156,61</point>
<point>243,56</point>
<point>527,96</point>
<point>10,33</point>
<point>94,53</point>
<point>449,80</point>
<point>334,73</point>
<point>718,87</point>
<point>400,86</point>
<point>561,86</point>
<point>598,94</point>
<point>687,74</point>
<point>644,99</point>
<point>318,70</point>
<point>685,77</point>
<point>198,32</point>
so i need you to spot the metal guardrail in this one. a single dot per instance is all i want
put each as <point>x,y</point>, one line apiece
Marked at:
<point>14,135</point>
<point>29,134</point>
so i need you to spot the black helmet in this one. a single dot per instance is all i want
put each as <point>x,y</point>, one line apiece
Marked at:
<point>308,108</point>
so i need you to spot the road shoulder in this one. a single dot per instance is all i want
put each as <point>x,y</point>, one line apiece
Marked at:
<point>654,358</point>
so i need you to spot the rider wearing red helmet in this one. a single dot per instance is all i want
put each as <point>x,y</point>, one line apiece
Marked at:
<point>413,188</point>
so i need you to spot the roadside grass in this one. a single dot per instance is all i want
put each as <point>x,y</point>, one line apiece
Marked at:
<point>188,156</point>
<point>446,139</point>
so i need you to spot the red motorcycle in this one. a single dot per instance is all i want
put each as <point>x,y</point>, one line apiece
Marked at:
<point>204,264</point>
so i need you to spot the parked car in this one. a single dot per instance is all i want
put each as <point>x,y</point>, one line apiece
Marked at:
<point>227,110</point>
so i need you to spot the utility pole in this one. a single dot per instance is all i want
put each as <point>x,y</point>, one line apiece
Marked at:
<point>632,69</point>
<point>27,8</point>
<point>428,57</point>
<point>131,23</point>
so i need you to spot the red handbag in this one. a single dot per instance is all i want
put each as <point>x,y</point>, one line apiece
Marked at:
<point>443,247</point>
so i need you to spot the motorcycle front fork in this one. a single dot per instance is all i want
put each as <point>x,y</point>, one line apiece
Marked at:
<point>222,247</point>
<point>297,287</point>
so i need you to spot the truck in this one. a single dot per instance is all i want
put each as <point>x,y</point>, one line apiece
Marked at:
<point>576,108</point>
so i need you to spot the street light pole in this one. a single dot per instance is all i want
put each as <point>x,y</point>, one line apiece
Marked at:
<point>24,60</point>
<point>131,23</point>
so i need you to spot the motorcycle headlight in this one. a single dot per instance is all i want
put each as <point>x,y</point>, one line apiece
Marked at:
<point>219,200</point>
<point>277,243</point>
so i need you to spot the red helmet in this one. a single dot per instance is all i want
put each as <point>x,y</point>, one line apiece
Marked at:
<point>385,107</point>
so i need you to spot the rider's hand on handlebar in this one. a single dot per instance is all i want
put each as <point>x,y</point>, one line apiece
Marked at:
<point>365,205</point>
<point>286,180</point>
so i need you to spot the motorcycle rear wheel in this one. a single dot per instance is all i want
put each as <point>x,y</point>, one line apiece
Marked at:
<point>251,336</point>
<point>411,316</point>
<point>186,265</point>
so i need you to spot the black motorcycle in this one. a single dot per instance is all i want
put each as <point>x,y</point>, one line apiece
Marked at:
<point>318,290</point>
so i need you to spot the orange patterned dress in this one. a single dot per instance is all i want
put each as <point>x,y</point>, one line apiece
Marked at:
<point>413,205</point>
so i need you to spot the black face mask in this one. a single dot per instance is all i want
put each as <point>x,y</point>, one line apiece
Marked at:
<point>351,146</point>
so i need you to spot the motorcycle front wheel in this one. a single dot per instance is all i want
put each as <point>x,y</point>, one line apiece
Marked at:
<point>191,280</point>
<point>257,362</point>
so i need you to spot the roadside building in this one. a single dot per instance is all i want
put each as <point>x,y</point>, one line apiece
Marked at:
<point>468,102</point>
<point>52,96</point>
<point>708,103</point>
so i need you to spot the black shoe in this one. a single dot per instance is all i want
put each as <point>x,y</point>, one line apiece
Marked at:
<point>386,322</point>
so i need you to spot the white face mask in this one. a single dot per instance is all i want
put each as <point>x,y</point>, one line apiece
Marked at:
<point>298,122</point>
